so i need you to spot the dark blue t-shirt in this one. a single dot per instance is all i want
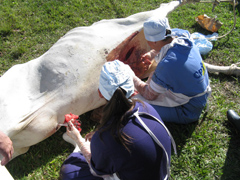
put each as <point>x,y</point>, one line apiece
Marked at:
<point>146,160</point>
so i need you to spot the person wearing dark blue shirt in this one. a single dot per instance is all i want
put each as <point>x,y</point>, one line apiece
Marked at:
<point>131,142</point>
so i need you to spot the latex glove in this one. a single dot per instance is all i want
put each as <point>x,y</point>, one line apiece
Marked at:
<point>146,56</point>
<point>74,133</point>
<point>76,136</point>
<point>144,89</point>
<point>6,148</point>
<point>149,56</point>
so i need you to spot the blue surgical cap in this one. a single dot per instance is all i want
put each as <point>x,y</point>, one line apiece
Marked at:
<point>155,28</point>
<point>115,74</point>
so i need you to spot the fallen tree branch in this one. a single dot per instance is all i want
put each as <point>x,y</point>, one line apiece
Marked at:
<point>229,70</point>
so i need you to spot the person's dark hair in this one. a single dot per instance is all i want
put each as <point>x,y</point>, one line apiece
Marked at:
<point>113,116</point>
<point>168,31</point>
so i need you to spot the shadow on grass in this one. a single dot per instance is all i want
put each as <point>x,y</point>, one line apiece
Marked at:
<point>180,133</point>
<point>39,155</point>
<point>231,168</point>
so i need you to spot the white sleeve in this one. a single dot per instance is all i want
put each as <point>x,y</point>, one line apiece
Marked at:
<point>162,53</point>
<point>157,88</point>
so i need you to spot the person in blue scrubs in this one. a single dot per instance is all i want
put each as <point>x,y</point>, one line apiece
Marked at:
<point>179,87</point>
<point>121,148</point>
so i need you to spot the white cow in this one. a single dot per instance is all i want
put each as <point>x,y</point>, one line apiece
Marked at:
<point>35,96</point>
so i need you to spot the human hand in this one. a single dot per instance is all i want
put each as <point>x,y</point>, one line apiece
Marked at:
<point>73,132</point>
<point>150,55</point>
<point>147,56</point>
<point>74,118</point>
<point>145,61</point>
<point>89,136</point>
<point>6,148</point>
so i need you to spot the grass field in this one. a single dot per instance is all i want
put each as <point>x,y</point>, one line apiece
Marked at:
<point>208,149</point>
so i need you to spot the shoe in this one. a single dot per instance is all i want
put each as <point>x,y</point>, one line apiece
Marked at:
<point>234,118</point>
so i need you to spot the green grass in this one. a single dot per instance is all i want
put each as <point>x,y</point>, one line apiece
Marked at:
<point>208,149</point>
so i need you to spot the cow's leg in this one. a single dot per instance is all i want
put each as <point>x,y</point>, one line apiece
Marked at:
<point>71,141</point>
<point>19,151</point>
<point>40,127</point>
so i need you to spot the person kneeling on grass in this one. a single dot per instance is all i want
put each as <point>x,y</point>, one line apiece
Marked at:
<point>179,87</point>
<point>121,147</point>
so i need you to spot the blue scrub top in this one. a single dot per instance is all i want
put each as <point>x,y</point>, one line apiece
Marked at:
<point>182,70</point>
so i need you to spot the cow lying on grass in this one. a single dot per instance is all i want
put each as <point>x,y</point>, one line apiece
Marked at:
<point>35,96</point>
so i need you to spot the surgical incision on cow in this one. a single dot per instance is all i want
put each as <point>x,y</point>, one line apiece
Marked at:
<point>130,52</point>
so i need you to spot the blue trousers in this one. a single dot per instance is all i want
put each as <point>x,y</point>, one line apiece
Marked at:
<point>76,167</point>
<point>184,114</point>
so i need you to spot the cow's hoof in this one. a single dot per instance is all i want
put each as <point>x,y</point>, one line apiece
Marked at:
<point>69,139</point>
